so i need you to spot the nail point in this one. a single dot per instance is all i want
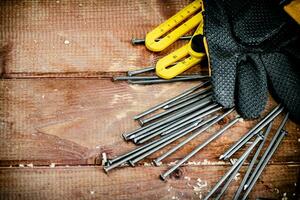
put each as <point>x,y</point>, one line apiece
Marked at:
<point>156,163</point>
<point>131,163</point>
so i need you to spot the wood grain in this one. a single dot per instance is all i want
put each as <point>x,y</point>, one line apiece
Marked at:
<point>136,183</point>
<point>73,121</point>
<point>53,130</point>
<point>78,38</point>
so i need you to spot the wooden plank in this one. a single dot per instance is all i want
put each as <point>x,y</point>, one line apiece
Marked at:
<point>73,121</point>
<point>137,183</point>
<point>78,38</point>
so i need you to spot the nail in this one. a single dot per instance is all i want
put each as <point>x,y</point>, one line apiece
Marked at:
<point>158,129</point>
<point>143,150</point>
<point>191,137</point>
<point>253,161</point>
<point>145,139</point>
<point>175,79</point>
<point>175,111</point>
<point>203,93</point>
<point>169,139</point>
<point>187,103</point>
<point>111,161</point>
<point>272,113</point>
<point>185,93</point>
<point>187,120</point>
<point>125,78</point>
<point>226,185</point>
<point>130,155</point>
<point>127,136</point>
<point>262,159</point>
<point>180,121</point>
<point>201,146</point>
<point>161,122</point>
<point>235,165</point>
<point>130,135</point>
<point>140,71</point>
<point>267,159</point>
<point>135,41</point>
<point>256,129</point>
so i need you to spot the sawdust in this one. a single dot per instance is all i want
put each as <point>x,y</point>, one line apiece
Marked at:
<point>233,161</point>
<point>147,164</point>
<point>198,188</point>
<point>284,197</point>
<point>199,163</point>
<point>30,165</point>
<point>104,159</point>
<point>237,177</point>
<point>52,165</point>
<point>205,162</point>
<point>172,163</point>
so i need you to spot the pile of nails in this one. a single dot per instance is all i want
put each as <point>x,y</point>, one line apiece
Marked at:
<point>257,136</point>
<point>189,114</point>
<point>144,80</point>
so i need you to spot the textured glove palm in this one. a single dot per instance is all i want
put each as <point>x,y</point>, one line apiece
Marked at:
<point>253,46</point>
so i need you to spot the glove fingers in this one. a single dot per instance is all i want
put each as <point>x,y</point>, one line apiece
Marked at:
<point>251,90</point>
<point>284,82</point>
<point>223,63</point>
<point>223,82</point>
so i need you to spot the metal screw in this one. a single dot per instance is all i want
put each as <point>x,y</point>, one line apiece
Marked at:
<point>185,93</point>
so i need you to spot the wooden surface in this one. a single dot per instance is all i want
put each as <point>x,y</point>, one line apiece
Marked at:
<point>59,110</point>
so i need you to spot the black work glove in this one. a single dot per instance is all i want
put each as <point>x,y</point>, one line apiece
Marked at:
<point>253,46</point>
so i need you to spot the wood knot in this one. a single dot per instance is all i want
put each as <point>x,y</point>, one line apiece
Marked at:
<point>5,57</point>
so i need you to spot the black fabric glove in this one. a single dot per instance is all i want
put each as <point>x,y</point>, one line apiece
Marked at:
<point>253,46</point>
